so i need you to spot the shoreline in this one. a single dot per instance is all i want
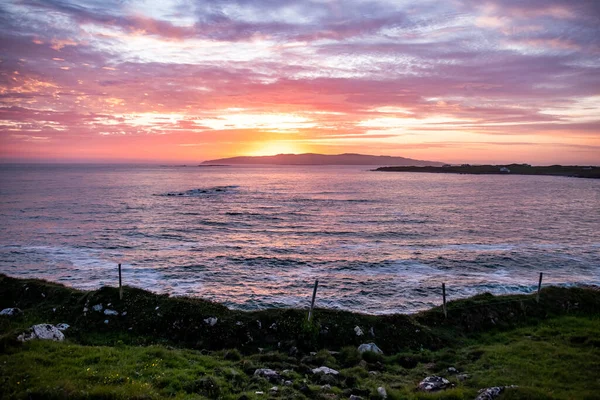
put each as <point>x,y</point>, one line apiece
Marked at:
<point>149,346</point>
<point>201,323</point>
<point>589,172</point>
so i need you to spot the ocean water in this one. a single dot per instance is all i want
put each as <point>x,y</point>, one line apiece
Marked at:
<point>258,237</point>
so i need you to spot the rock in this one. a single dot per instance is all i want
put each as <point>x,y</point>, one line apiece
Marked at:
<point>434,383</point>
<point>369,347</point>
<point>106,321</point>
<point>492,392</point>
<point>325,370</point>
<point>452,370</point>
<point>267,373</point>
<point>326,388</point>
<point>372,332</point>
<point>42,331</point>
<point>358,331</point>
<point>97,307</point>
<point>354,397</point>
<point>63,327</point>
<point>463,377</point>
<point>124,313</point>
<point>274,390</point>
<point>11,312</point>
<point>110,312</point>
<point>373,373</point>
<point>382,392</point>
<point>288,383</point>
<point>212,321</point>
<point>293,351</point>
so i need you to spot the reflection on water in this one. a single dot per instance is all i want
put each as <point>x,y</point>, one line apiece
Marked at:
<point>255,237</point>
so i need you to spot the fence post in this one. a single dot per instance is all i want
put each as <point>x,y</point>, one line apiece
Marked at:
<point>537,297</point>
<point>312,304</point>
<point>120,285</point>
<point>444,298</point>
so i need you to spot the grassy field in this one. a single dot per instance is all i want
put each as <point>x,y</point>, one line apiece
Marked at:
<point>551,356</point>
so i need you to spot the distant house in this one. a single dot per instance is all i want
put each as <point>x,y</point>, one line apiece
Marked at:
<point>505,170</point>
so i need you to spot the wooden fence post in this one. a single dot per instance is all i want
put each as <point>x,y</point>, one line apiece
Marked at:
<point>537,297</point>
<point>312,304</point>
<point>444,299</point>
<point>120,285</point>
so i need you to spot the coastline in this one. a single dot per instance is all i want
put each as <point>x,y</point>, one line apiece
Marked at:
<point>509,169</point>
<point>178,335</point>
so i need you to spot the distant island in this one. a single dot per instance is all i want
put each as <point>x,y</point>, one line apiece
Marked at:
<point>322,159</point>
<point>510,169</point>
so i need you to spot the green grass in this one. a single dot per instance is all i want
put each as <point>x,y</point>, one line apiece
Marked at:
<point>556,359</point>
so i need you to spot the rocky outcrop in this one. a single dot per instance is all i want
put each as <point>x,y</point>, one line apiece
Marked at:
<point>434,384</point>
<point>325,370</point>
<point>269,374</point>
<point>492,392</point>
<point>372,347</point>
<point>11,312</point>
<point>42,331</point>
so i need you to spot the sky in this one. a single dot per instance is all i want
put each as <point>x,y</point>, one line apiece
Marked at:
<point>456,81</point>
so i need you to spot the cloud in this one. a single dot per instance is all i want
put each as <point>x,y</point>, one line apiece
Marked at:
<point>328,73</point>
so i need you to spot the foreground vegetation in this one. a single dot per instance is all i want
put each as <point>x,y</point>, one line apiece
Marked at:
<point>550,349</point>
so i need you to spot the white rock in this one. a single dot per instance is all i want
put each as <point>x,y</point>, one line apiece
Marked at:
<point>239,323</point>
<point>358,331</point>
<point>211,321</point>
<point>110,312</point>
<point>63,327</point>
<point>97,307</point>
<point>124,313</point>
<point>372,332</point>
<point>42,331</point>
<point>267,373</point>
<point>258,392</point>
<point>434,383</point>
<point>85,309</point>
<point>382,393</point>
<point>369,347</point>
<point>274,390</point>
<point>106,321</point>
<point>326,387</point>
<point>288,383</point>
<point>325,370</point>
<point>492,392</point>
<point>11,312</point>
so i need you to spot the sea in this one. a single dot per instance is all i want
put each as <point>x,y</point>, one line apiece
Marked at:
<point>256,237</point>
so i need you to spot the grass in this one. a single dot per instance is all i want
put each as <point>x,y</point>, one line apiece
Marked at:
<point>549,353</point>
<point>557,359</point>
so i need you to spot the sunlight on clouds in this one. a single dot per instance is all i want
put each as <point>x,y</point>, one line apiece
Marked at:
<point>586,109</point>
<point>276,147</point>
<point>394,122</point>
<point>273,122</point>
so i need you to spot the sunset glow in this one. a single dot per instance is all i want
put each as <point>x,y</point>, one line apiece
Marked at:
<point>464,81</point>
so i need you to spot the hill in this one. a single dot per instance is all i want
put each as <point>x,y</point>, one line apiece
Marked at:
<point>322,159</point>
